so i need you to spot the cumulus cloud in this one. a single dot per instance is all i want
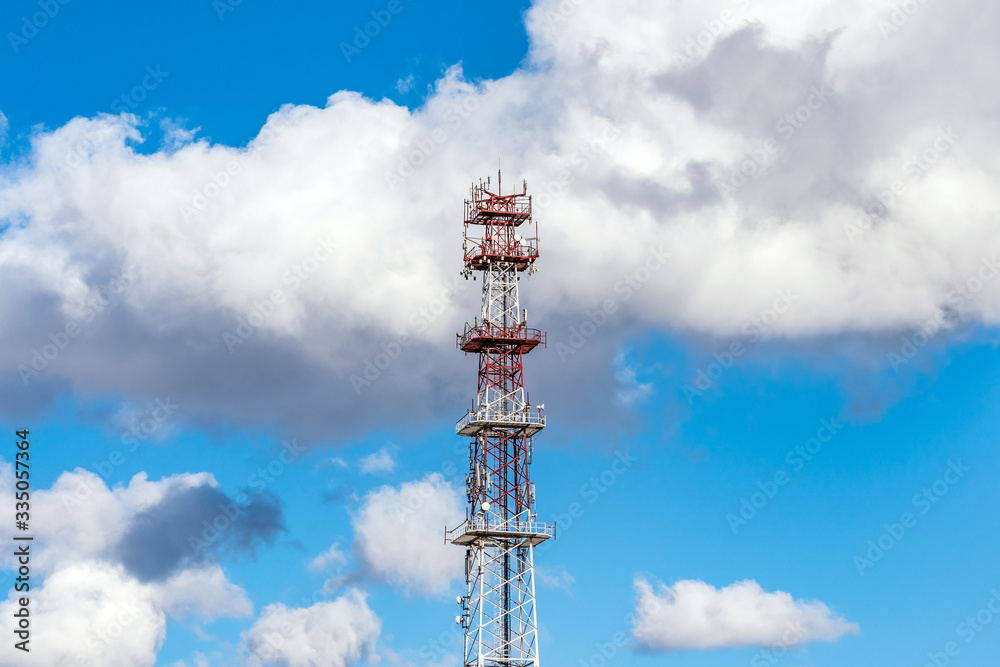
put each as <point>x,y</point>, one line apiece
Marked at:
<point>97,611</point>
<point>152,528</point>
<point>331,558</point>
<point>397,534</point>
<point>380,461</point>
<point>695,615</point>
<point>159,539</point>
<point>339,633</point>
<point>90,610</point>
<point>204,591</point>
<point>92,602</point>
<point>810,150</point>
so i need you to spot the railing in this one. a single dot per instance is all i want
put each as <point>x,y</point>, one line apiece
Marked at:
<point>486,526</point>
<point>527,417</point>
<point>489,206</point>
<point>521,251</point>
<point>519,333</point>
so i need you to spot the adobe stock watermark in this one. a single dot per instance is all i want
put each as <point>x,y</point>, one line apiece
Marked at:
<point>793,637</point>
<point>565,10</point>
<point>796,460</point>
<point>325,590</point>
<point>421,149</point>
<point>363,35</point>
<point>591,491</point>
<point>756,161</point>
<point>434,651</point>
<point>417,494</point>
<point>107,638</point>
<point>223,7</point>
<point>923,502</point>
<point>81,150</point>
<point>913,343</point>
<point>913,170</point>
<point>753,331</point>
<point>579,161</point>
<point>337,579</point>
<point>258,481</point>
<point>219,180</point>
<point>899,17</point>
<point>130,100</point>
<point>960,296</point>
<point>293,278</point>
<point>459,459</point>
<point>418,323</point>
<point>967,631</point>
<point>31,24</point>
<point>968,291</point>
<point>264,653</point>
<point>698,46</point>
<point>106,298</point>
<point>154,423</point>
<point>626,287</point>
<point>127,102</point>
<point>604,653</point>
<point>149,424</point>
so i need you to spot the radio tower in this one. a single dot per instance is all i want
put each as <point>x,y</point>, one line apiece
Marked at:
<point>501,529</point>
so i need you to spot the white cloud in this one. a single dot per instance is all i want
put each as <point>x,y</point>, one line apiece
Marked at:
<point>405,85</point>
<point>696,615</point>
<point>555,577</point>
<point>338,633</point>
<point>90,610</point>
<point>83,517</point>
<point>204,591</point>
<point>88,604</point>
<point>630,390</point>
<point>398,534</point>
<point>380,461</point>
<point>332,557</point>
<point>199,661</point>
<point>175,134</point>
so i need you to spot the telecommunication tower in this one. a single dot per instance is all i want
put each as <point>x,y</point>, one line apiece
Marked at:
<point>500,242</point>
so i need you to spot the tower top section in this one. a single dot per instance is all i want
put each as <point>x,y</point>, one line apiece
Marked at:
<point>486,207</point>
<point>499,228</point>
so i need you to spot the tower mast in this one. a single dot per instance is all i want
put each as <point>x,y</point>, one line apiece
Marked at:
<point>501,531</point>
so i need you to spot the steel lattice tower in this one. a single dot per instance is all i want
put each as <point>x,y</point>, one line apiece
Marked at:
<point>501,528</point>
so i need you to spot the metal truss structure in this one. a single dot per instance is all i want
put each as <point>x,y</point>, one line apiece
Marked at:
<point>501,528</point>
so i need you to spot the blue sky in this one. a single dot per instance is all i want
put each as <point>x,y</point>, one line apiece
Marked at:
<point>789,399</point>
<point>227,74</point>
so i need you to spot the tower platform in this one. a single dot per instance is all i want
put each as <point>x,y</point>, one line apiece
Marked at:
<point>522,256</point>
<point>528,422</point>
<point>490,209</point>
<point>531,533</point>
<point>521,338</point>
